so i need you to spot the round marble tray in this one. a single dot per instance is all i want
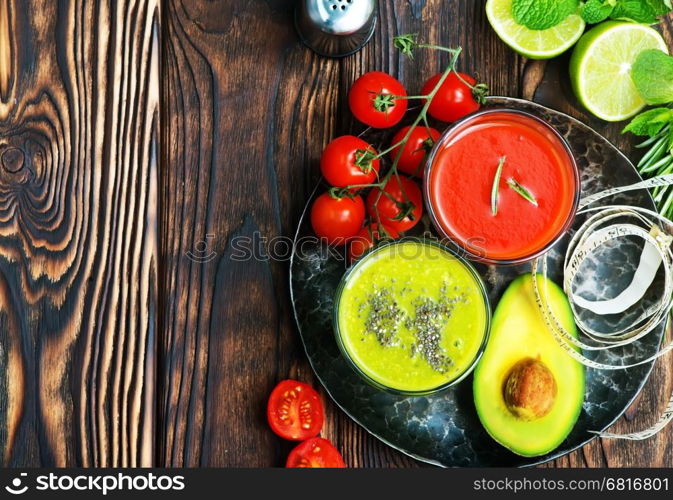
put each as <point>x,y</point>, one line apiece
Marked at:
<point>444,429</point>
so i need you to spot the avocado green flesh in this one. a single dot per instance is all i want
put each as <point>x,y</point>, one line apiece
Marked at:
<point>519,332</point>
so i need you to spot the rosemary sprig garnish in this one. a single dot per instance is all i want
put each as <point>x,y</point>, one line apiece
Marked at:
<point>494,188</point>
<point>521,191</point>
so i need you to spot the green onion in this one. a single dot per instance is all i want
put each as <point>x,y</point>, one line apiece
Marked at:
<point>653,153</point>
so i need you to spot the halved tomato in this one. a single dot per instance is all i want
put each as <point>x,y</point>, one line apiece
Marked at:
<point>295,411</point>
<point>315,453</point>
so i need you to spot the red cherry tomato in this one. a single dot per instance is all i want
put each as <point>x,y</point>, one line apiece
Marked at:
<point>392,204</point>
<point>338,162</point>
<point>315,453</point>
<point>420,142</point>
<point>367,238</point>
<point>453,100</point>
<point>295,411</point>
<point>337,220</point>
<point>368,102</point>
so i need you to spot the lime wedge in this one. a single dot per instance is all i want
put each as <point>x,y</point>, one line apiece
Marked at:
<point>535,44</point>
<point>600,68</point>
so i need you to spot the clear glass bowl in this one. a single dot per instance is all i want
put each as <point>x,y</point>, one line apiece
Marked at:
<point>363,261</point>
<point>458,127</point>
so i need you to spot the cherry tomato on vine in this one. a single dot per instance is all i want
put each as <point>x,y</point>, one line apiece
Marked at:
<point>396,211</point>
<point>295,411</point>
<point>367,238</point>
<point>337,220</point>
<point>347,161</point>
<point>419,143</point>
<point>371,100</point>
<point>454,99</point>
<point>315,453</point>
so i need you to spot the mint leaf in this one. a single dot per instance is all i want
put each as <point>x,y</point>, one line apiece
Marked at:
<point>639,11</point>
<point>595,11</point>
<point>542,14</point>
<point>660,7</point>
<point>652,74</point>
<point>650,122</point>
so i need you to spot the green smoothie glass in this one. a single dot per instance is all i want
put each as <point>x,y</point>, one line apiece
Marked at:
<point>412,317</point>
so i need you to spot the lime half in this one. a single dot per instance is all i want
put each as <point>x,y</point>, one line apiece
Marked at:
<point>535,44</point>
<point>600,68</point>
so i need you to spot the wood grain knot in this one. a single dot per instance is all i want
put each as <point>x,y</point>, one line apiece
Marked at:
<point>21,157</point>
<point>12,159</point>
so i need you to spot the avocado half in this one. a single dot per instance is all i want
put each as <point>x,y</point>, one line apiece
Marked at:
<point>523,366</point>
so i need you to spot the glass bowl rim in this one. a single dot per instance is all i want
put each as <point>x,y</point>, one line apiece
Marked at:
<point>359,263</point>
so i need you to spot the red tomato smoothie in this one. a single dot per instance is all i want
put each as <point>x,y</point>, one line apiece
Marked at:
<point>460,179</point>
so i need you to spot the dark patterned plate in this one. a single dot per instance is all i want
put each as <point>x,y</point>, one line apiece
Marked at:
<point>444,429</point>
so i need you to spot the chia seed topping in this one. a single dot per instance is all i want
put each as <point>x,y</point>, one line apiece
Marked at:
<point>429,319</point>
<point>384,316</point>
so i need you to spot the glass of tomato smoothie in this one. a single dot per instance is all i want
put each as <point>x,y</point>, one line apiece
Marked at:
<point>412,317</point>
<point>503,185</point>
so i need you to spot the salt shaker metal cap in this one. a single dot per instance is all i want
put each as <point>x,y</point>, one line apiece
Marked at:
<point>335,28</point>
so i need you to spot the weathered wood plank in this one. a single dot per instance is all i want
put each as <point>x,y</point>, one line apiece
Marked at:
<point>224,77</point>
<point>79,130</point>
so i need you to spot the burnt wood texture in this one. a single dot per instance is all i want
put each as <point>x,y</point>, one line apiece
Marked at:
<point>79,136</point>
<point>140,140</point>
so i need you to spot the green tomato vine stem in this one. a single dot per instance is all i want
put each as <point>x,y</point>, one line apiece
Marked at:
<point>422,117</point>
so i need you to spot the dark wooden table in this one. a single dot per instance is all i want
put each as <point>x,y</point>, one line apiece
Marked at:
<point>137,139</point>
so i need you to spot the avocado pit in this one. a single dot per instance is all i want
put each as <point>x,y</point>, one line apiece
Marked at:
<point>530,389</point>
